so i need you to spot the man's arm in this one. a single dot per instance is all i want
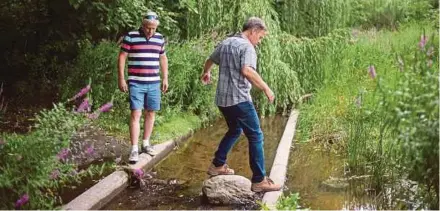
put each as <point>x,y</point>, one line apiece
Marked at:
<point>163,60</point>
<point>121,69</point>
<point>206,75</point>
<point>208,66</point>
<point>252,75</point>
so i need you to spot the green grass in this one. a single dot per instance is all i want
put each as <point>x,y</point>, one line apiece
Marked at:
<point>175,125</point>
<point>178,126</point>
<point>349,76</point>
<point>373,135</point>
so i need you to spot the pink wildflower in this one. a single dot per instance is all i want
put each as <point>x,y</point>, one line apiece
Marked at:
<point>106,107</point>
<point>423,40</point>
<point>93,115</point>
<point>84,106</point>
<point>55,174</point>
<point>62,155</point>
<point>22,201</point>
<point>138,173</point>
<point>90,150</point>
<point>81,93</point>
<point>372,71</point>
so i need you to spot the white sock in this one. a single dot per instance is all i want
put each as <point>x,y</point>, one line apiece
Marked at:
<point>135,148</point>
<point>145,142</point>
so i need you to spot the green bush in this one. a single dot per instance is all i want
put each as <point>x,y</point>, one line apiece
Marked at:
<point>29,163</point>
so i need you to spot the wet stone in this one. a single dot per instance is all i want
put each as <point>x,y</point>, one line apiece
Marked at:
<point>228,190</point>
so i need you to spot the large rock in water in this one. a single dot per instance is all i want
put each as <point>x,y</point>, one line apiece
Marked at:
<point>228,189</point>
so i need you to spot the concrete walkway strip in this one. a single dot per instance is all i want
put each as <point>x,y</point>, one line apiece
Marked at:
<point>279,167</point>
<point>103,192</point>
<point>147,161</point>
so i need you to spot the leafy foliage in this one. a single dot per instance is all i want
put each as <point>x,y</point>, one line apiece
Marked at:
<point>27,162</point>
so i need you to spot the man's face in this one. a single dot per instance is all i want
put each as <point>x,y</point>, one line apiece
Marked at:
<point>256,36</point>
<point>149,28</point>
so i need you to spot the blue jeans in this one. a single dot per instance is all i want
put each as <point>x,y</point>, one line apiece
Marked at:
<point>243,117</point>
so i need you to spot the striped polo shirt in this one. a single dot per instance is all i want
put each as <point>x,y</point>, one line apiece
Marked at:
<point>143,56</point>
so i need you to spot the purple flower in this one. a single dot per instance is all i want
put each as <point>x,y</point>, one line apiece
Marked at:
<point>138,173</point>
<point>372,71</point>
<point>106,107</point>
<point>423,40</point>
<point>81,93</point>
<point>84,106</point>
<point>62,155</point>
<point>55,174</point>
<point>93,115</point>
<point>90,150</point>
<point>22,201</point>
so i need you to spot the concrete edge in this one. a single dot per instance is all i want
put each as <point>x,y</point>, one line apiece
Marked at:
<point>280,163</point>
<point>101,193</point>
<point>104,191</point>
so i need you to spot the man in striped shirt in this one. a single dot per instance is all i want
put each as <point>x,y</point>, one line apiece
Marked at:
<point>145,49</point>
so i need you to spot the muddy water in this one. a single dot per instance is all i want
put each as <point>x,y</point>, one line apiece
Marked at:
<point>310,166</point>
<point>317,173</point>
<point>177,181</point>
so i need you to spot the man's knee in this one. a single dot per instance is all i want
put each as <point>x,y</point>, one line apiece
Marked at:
<point>135,115</point>
<point>235,131</point>
<point>254,135</point>
<point>149,113</point>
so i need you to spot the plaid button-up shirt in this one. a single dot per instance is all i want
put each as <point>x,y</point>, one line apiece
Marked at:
<point>232,55</point>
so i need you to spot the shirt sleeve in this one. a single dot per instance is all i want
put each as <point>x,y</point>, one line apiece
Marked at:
<point>162,50</point>
<point>215,56</point>
<point>126,44</point>
<point>249,58</point>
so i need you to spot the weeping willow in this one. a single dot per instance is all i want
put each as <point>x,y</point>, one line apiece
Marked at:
<point>313,18</point>
<point>290,66</point>
<point>280,64</point>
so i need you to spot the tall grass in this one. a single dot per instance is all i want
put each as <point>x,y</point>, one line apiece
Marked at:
<point>384,130</point>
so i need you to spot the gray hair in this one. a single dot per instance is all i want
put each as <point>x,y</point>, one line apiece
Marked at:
<point>154,20</point>
<point>254,23</point>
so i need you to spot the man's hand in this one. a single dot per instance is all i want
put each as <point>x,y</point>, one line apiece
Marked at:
<point>122,85</point>
<point>269,94</point>
<point>206,78</point>
<point>164,85</point>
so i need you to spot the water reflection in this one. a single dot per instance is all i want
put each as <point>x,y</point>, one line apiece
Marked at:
<point>319,176</point>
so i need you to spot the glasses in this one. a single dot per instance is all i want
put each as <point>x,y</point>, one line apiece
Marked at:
<point>151,17</point>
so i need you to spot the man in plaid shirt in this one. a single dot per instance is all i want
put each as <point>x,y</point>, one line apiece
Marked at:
<point>237,62</point>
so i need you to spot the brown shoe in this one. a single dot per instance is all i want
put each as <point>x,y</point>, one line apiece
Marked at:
<point>221,170</point>
<point>266,185</point>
